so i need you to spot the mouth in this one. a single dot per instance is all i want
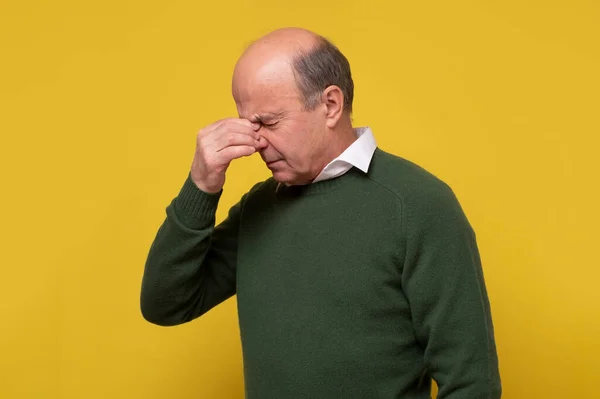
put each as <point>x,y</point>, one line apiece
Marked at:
<point>272,163</point>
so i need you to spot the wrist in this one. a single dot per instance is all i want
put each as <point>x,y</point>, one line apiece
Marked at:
<point>207,185</point>
<point>195,207</point>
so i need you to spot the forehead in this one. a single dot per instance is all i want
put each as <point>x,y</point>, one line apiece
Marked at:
<point>267,105</point>
<point>263,89</point>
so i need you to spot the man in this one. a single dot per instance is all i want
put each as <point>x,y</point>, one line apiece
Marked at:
<point>357,273</point>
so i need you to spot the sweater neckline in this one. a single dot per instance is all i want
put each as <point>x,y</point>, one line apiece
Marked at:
<point>320,187</point>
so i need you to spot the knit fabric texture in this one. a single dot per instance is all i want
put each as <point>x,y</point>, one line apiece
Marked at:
<point>364,286</point>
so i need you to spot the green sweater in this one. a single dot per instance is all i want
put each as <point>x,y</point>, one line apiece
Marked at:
<point>365,286</point>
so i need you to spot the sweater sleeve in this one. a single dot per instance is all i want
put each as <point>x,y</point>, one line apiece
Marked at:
<point>444,283</point>
<point>191,264</point>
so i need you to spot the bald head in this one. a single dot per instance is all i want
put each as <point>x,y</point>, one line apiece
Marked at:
<point>297,57</point>
<point>285,41</point>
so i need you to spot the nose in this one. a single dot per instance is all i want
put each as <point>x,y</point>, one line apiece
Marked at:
<point>262,143</point>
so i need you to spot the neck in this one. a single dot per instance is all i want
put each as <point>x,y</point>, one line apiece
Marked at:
<point>340,139</point>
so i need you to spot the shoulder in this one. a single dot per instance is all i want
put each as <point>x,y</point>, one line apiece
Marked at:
<point>422,194</point>
<point>403,177</point>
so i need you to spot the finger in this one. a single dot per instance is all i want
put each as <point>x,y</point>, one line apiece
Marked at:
<point>230,123</point>
<point>230,139</point>
<point>227,129</point>
<point>243,123</point>
<point>255,126</point>
<point>240,122</point>
<point>233,152</point>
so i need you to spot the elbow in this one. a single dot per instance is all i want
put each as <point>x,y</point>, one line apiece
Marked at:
<point>161,307</point>
<point>156,314</point>
<point>151,315</point>
<point>153,318</point>
<point>163,314</point>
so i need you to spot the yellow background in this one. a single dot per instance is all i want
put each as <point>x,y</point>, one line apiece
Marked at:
<point>100,102</point>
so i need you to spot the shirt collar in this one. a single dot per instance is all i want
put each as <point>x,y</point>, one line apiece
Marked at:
<point>360,152</point>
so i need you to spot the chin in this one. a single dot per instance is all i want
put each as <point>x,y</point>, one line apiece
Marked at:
<point>282,177</point>
<point>291,179</point>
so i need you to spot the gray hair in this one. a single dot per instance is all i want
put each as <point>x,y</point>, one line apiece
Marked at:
<point>319,68</point>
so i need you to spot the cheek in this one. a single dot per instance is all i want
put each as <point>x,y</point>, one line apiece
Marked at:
<point>283,139</point>
<point>294,141</point>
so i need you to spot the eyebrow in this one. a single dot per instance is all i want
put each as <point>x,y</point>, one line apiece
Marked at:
<point>268,116</point>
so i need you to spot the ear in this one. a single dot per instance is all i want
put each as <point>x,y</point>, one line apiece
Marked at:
<point>333,99</point>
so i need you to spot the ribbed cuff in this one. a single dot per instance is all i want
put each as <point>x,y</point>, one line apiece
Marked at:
<point>195,208</point>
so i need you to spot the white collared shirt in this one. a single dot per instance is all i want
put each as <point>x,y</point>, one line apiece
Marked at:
<point>358,154</point>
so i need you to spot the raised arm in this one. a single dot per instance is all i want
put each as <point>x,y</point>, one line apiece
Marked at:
<point>191,264</point>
